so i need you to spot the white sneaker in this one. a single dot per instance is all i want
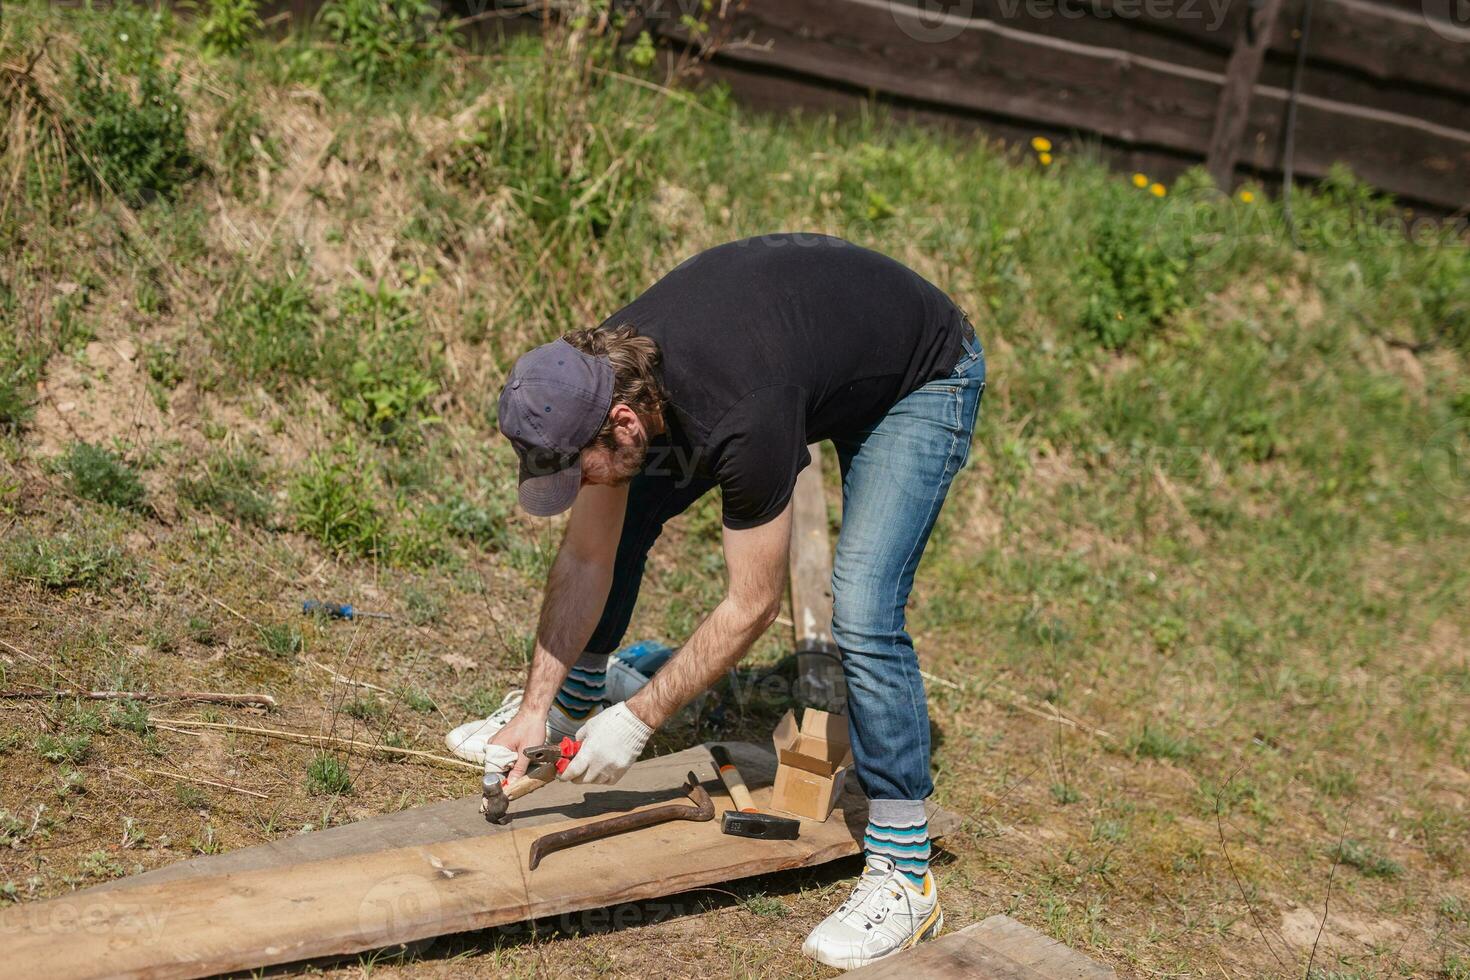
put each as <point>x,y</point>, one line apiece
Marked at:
<point>884,915</point>
<point>468,741</point>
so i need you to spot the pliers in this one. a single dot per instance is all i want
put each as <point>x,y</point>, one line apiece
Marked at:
<point>558,754</point>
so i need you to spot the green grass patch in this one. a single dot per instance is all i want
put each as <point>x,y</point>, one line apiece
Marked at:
<point>98,474</point>
<point>83,558</point>
<point>326,775</point>
<point>335,501</point>
<point>233,486</point>
<point>1366,859</point>
<point>1154,743</point>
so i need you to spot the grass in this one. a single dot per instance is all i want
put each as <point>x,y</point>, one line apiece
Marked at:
<point>326,775</point>
<point>83,557</point>
<point>98,474</point>
<point>1214,515</point>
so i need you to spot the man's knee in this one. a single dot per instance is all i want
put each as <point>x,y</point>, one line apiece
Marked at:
<point>863,620</point>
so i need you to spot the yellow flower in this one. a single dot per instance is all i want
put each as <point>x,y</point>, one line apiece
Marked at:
<point>1247,197</point>
<point>1157,189</point>
<point>1041,144</point>
<point>1045,159</point>
<point>1139,180</point>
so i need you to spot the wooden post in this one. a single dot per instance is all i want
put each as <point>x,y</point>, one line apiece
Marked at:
<point>818,661</point>
<point>1241,72</point>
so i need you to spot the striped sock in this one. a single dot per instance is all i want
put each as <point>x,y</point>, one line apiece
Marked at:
<point>904,841</point>
<point>581,692</point>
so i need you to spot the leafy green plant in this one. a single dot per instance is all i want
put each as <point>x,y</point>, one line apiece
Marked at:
<point>326,775</point>
<point>135,145</point>
<point>381,43</point>
<point>162,364</point>
<point>386,376</point>
<point>66,747</point>
<point>333,500</point>
<point>1131,285</point>
<point>98,474</point>
<point>229,26</point>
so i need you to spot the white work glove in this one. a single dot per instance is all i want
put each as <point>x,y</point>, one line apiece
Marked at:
<point>611,742</point>
<point>499,760</point>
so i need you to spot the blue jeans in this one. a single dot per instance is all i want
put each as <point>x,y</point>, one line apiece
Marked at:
<point>895,476</point>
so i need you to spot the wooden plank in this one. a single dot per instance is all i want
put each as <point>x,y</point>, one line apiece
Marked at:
<point>996,71</point>
<point>1234,107</point>
<point>818,661</point>
<point>1402,46</point>
<point>275,909</point>
<point>999,948</point>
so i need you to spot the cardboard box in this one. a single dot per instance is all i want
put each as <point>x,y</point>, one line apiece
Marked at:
<point>811,763</point>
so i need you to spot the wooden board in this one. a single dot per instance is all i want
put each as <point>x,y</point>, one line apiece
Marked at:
<point>999,948</point>
<point>1241,74</point>
<point>818,660</point>
<point>267,906</point>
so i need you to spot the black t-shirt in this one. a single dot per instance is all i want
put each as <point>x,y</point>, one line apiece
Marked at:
<point>771,343</point>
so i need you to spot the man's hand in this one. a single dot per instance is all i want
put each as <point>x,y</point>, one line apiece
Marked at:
<point>611,742</point>
<point>525,731</point>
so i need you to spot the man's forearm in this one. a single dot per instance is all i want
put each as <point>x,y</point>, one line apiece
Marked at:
<point>717,645</point>
<point>576,591</point>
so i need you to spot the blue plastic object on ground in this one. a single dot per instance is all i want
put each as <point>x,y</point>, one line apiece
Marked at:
<point>338,610</point>
<point>646,656</point>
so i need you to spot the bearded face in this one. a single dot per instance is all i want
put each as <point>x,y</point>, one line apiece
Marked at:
<point>616,465</point>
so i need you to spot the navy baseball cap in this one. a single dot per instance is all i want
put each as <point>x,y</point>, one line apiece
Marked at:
<point>552,407</point>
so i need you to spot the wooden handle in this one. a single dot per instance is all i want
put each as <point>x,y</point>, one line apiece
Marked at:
<point>734,782</point>
<point>533,780</point>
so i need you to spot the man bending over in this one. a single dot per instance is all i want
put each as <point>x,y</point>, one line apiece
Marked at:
<point>719,376</point>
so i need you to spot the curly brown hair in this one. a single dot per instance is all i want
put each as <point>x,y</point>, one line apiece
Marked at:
<point>635,361</point>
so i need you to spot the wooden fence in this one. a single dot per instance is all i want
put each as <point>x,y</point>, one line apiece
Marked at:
<point>1384,85</point>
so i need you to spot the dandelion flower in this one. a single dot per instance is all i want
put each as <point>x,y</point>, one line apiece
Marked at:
<point>1157,189</point>
<point>1247,197</point>
<point>1041,144</point>
<point>1139,180</point>
<point>1045,159</point>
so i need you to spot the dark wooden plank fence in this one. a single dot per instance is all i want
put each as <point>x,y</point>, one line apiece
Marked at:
<point>1386,86</point>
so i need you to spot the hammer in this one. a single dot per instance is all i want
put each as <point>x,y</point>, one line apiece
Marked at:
<point>745,820</point>
<point>546,761</point>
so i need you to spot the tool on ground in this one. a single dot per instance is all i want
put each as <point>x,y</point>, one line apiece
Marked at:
<point>703,809</point>
<point>746,820</point>
<point>547,761</point>
<point>338,610</point>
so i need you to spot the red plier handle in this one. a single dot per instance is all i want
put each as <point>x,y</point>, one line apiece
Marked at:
<point>559,753</point>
